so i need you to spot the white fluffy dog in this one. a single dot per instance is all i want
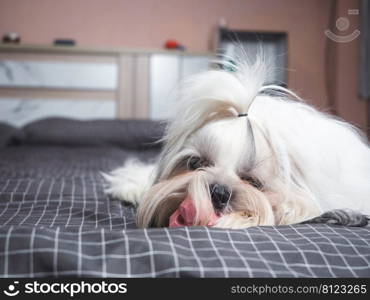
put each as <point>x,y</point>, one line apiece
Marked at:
<point>238,153</point>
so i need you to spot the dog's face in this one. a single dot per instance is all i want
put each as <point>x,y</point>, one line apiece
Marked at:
<point>228,170</point>
<point>223,170</point>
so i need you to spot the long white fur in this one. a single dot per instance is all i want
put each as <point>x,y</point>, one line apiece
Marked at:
<point>312,161</point>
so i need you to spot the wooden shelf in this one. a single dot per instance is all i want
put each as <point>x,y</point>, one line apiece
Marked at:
<point>51,49</point>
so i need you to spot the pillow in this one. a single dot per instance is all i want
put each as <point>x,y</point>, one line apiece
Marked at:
<point>10,135</point>
<point>131,134</point>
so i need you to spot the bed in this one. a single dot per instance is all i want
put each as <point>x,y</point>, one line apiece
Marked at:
<point>56,220</point>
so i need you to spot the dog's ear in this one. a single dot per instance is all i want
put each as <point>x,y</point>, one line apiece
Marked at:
<point>292,205</point>
<point>161,200</point>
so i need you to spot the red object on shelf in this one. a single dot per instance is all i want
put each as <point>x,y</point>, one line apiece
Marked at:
<point>173,44</point>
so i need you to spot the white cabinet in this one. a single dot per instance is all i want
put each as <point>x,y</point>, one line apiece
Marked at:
<point>46,74</point>
<point>86,83</point>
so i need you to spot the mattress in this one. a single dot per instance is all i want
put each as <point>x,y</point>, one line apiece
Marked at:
<point>56,220</point>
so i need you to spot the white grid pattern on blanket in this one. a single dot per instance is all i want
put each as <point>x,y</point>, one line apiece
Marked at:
<point>152,252</point>
<point>56,221</point>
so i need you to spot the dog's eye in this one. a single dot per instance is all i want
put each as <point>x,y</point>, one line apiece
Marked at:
<point>253,181</point>
<point>195,163</point>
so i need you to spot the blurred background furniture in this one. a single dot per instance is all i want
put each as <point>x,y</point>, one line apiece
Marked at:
<point>87,83</point>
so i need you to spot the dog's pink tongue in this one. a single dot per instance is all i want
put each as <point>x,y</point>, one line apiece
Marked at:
<point>185,215</point>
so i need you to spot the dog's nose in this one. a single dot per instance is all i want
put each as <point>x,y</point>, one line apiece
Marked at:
<point>220,195</point>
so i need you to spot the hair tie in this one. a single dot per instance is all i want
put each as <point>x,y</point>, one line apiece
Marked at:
<point>243,115</point>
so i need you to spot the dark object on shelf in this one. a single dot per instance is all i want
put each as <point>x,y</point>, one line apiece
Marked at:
<point>64,42</point>
<point>11,38</point>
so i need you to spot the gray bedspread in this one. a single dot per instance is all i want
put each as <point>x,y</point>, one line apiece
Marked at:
<point>56,220</point>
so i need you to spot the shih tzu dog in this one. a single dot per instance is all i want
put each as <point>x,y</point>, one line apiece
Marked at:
<point>240,153</point>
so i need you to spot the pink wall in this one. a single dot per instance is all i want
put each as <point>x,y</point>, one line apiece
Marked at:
<point>148,23</point>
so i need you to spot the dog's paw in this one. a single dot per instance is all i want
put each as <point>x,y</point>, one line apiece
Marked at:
<point>130,182</point>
